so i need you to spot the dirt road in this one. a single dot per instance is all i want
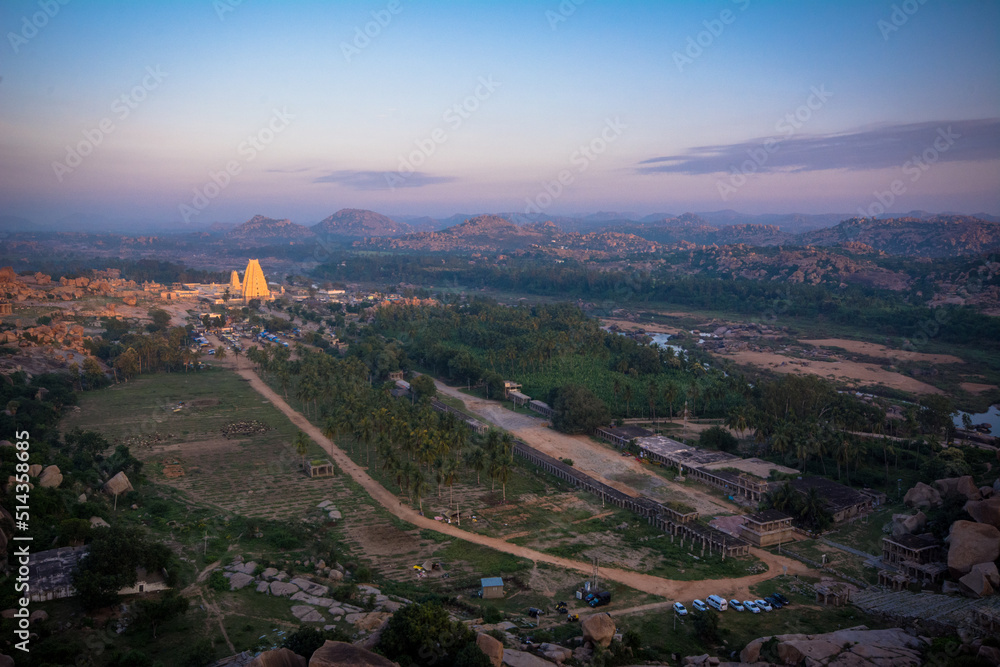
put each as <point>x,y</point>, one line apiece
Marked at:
<point>643,582</point>
<point>621,472</point>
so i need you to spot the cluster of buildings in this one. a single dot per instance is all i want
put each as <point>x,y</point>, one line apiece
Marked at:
<point>252,286</point>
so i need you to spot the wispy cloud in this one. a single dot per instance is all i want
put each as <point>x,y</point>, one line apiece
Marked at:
<point>382,180</point>
<point>288,171</point>
<point>871,148</point>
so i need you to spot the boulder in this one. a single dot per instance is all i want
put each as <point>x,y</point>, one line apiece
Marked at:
<point>855,647</point>
<point>6,660</point>
<point>908,524</point>
<point>971,543</point>
<point>269,573</point>
<point>310,587</point>
<point>335,575</point>
<point>985,511</point>
<point>34,470</point>
<point>513,658</point>
<point>281,657</point>
<point>306,614</point>
<point>976,584</point>
<point>82,498</point>
<point>555,653</point>
<point>263,587</point>
<point>986,491</point>
<point>239,580</point>
<point>118,484</point>
<point>598,629</point>
<point>922,495</point>
<point>492,647</point>
<point>283,588</point>
<point>990,571</point>
<point>989,653</point>
<point>340,654</point>
<point>50,478</point>
<point>38,616</point>
<point>958,486</point>
<point>98,522</point>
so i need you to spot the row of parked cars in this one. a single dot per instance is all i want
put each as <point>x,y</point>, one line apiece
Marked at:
<point>769,603</point>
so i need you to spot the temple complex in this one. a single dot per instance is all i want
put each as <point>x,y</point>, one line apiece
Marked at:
<point>254,283</point>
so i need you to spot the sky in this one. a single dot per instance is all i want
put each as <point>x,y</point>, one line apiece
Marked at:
<point>200,111</point>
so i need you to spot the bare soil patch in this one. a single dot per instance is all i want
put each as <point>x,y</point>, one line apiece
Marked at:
<point>849,372</point>
<point>875,350</point>
<point>976,387</point>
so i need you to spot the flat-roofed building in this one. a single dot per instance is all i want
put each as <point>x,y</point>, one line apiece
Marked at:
<point>768,527</point>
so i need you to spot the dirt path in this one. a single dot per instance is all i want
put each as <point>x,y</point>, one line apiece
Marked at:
<point>621,472</point>
<point>643,582</point>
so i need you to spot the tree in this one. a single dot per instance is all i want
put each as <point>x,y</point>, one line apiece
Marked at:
<point>111,563</point>
<point>706,626</point>
<point>301,444</point>
<point>422,634</point>
<point>423,386</point>
<point>577,410</point>
<point>154,613</point>
<point>127,363</point>
<point>160,318</point>
<point>475,458</point>
<point>719,438</point>
<point>220,352</point>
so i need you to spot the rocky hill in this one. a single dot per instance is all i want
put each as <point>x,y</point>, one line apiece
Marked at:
<point>358,223</point>
<point>938,236</point>
<point>261,230</point>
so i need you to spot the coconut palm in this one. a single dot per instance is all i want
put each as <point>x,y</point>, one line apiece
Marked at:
<point>301,444</point>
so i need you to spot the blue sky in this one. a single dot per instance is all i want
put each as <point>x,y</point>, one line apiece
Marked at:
<point>280,108</point>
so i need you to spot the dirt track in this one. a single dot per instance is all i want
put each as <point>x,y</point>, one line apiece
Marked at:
<point>621,472</point>
<point>643,582</point>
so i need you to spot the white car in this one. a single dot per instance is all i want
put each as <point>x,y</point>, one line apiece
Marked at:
<point>750,606</point>
<point>764,604</point>
<point>699,605</point>
<point>736,604</point>
<point>680,609</point>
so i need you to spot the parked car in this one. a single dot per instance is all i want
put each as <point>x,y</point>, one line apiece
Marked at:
<point>602,598</point>
<point>763,605</point>
<point>699,605</point>
<point>736,604</point>
<point>717,603</point>
<point>773,601</point>
<point>680,609</point>
<point>782,599</point>
<point>751,607</point>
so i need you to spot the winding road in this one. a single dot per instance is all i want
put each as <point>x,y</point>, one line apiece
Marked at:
<point>738,587</point>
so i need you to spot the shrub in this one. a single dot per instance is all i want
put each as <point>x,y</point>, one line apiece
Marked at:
<point>217,581</point>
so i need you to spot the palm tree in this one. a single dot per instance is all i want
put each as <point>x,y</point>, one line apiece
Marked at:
<point>418,485</point>
<point>782,438</point>
<point>628,400</point>
<point>846,454</point>
<point>301,444</point>
<point>813,510</point>
<point>220,352</point>
<point>475,458</point>
<point>669,396</point>
<point>450,473</point>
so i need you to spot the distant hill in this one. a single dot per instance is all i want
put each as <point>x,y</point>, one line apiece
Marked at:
<point>263,230</point>
<point>12,223</point>
<point>355,223</point>
<point>938,236</point>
